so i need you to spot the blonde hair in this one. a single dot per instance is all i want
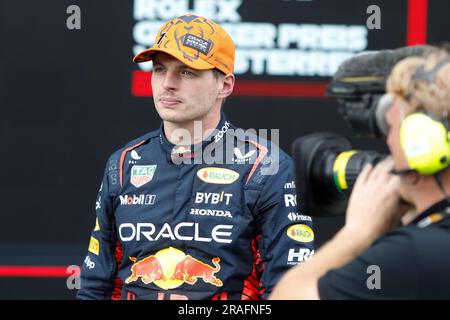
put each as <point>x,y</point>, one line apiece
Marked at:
<point>420,93</point>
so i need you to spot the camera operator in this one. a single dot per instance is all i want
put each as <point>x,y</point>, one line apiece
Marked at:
<point>370,257</point>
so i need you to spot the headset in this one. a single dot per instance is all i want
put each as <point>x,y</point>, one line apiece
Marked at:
<point>424,135</point>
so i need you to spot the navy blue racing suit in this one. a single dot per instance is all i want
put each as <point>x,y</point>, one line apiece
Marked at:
<point>215,221</point>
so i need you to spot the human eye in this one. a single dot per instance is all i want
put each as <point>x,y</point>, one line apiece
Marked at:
<point>158,69</point>
<point>188,73</point>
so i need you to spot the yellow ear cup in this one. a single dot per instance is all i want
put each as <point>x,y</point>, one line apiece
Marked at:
<point>425,143</point>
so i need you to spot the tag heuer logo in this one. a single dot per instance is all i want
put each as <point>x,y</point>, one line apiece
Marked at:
<point>140,175</point>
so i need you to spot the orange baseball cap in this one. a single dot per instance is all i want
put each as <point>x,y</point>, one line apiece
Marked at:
<point>196,41</point>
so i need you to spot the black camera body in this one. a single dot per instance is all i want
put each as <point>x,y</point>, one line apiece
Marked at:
<point>326,165</point>
<point>359,104</point>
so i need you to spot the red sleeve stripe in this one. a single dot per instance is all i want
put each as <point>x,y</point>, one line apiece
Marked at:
<point>220,296</point>
<point>251,285</point>
<point>255,294</point>
<point>248,294</point>
<point>118,256</point>
<point>262,154</point>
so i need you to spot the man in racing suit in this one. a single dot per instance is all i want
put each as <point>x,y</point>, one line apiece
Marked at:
<point>213,219</point>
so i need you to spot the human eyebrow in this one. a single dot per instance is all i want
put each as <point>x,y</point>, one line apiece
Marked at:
<point>186,68</point>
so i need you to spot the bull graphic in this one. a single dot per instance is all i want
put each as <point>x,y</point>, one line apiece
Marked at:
<point>148,269</point>
<point>189,269</point>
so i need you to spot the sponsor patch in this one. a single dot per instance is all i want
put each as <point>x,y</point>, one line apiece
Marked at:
<point>184,231</point>
<point>290,200</point>
<point>97,226</point>
<point>98,204</point>
<point>300,255</point>
<point>170,268</point>
<point>290,185</point>
<point>211,212</point>
<point>94,246</point>
<point>217,175</point>
<point>213,198</point>
<point>295,216</point>
<point>141,175</point>
<point>222,131</point>
<point>197,43</point>
<point>135,155</point>
<point>142,199</point>
<point>89,263</point>
<point>239,158</point>
<point>113,172</point>
<point>300,233</point>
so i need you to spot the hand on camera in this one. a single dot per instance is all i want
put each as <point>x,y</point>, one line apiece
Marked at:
<point>375,205</point>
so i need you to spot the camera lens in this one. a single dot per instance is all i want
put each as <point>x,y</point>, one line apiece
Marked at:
<point>326,170</point>
<point>348,165</point>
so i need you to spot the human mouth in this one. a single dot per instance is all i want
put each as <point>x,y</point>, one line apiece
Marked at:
<point>169,102</point>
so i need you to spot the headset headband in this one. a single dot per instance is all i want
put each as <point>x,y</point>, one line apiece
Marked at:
<point>429,76</point>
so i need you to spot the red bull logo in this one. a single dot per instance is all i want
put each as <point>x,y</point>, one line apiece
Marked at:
<point>189,269</point>
<point>170,268</point>
<point>148,269</point>
<point>182,152</point>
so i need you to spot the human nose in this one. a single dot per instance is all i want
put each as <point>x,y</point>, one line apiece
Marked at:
<point>170,81</point>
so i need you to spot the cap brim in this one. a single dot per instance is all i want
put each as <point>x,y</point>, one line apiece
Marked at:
<point>147,55</point>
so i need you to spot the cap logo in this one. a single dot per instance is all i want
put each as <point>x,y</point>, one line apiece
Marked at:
<point>188,18</point>
<point>161,38</point>
<point>197,43</point>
